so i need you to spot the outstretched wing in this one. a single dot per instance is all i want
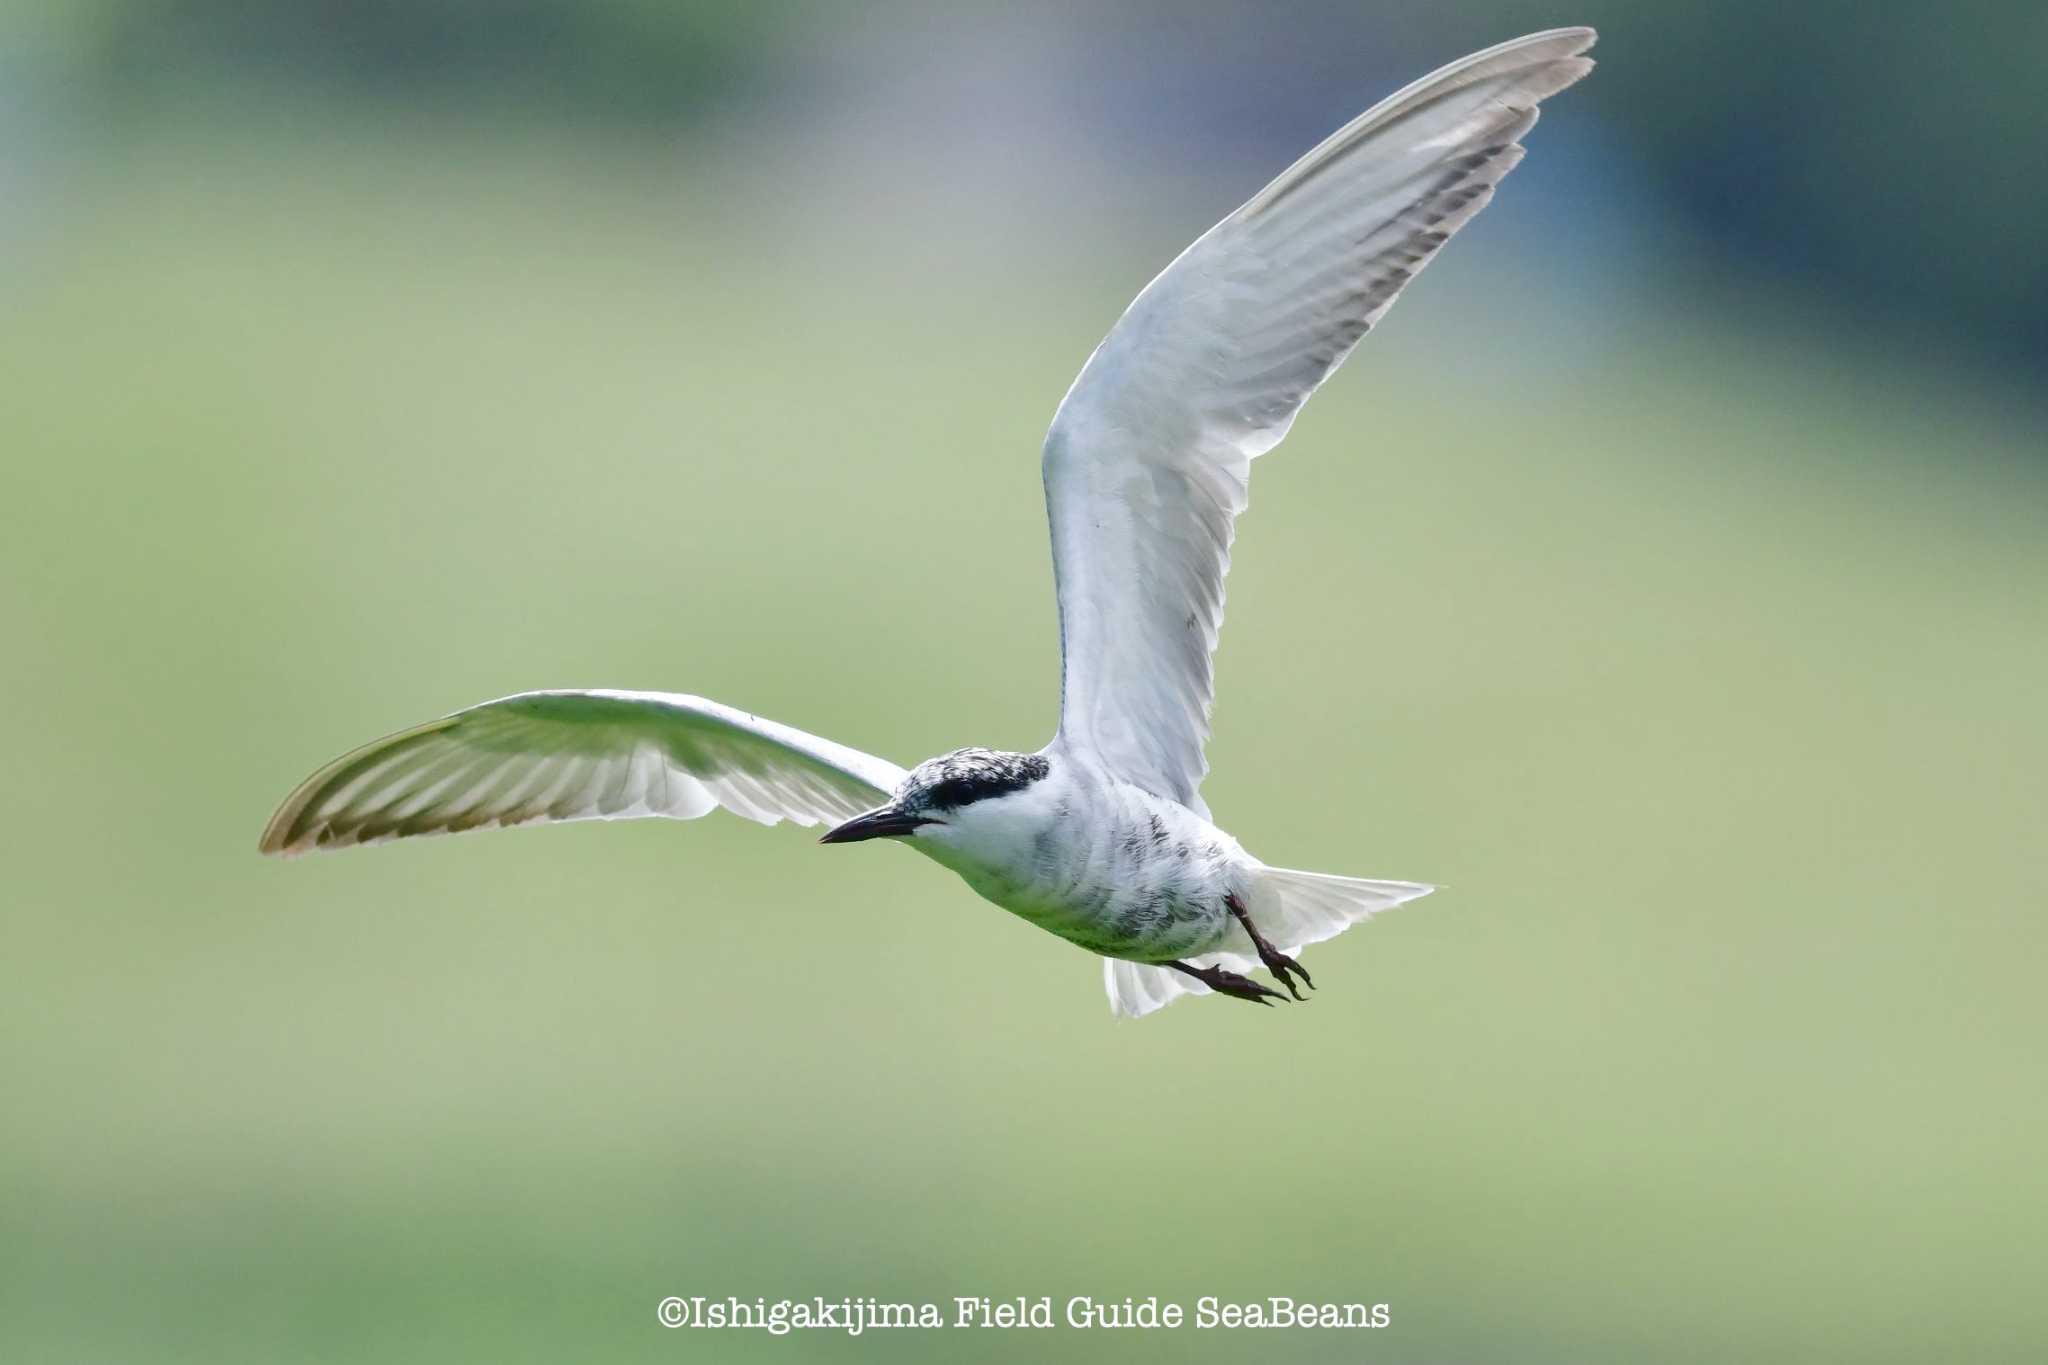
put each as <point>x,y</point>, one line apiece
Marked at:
<point>601,755</point>
<point>1149,455</point>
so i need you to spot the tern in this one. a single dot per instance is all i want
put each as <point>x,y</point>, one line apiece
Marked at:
<point>1102,836</point>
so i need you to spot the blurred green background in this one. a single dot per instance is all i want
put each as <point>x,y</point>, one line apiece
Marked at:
<point>1656,579</point>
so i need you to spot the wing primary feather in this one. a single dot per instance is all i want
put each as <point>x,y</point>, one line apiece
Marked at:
<point>1149,456</point>
<point>561,756</point>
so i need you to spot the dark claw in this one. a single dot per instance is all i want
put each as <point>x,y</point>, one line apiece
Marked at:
<point>1285,969</point>
<point>1231,984</point>
<point>1242,988</point>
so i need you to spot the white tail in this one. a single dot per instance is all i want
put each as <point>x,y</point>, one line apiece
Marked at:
<point>1292,909</point>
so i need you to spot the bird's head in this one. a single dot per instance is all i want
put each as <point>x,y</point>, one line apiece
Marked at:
<point>938,790</point>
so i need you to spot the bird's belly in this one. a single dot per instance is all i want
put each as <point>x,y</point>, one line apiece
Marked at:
<point>1145,920</point>
<point>1103,865</point>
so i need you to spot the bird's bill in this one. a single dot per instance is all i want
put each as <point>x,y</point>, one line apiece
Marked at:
<point>881,823</point>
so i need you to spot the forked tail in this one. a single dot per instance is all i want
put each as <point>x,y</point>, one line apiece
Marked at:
<point>1292,909</point>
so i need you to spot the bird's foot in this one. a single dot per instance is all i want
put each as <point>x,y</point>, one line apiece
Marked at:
<point>1243,987</point>
<point>1283,967</point>
<point>1230,983</point>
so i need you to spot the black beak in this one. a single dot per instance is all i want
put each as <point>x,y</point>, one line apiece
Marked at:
<point>881,823</point>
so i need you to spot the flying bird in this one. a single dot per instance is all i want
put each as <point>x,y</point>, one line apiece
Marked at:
<point>1102,836</point>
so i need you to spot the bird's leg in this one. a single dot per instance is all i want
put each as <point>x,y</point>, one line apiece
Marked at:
<point>1278,963</point>
<point>1229,983</point>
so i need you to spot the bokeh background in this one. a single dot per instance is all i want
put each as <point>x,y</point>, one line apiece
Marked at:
<point>1666,577</point>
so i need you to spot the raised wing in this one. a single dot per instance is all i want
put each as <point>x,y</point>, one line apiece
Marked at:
<point>601,755</point>
<point>1148,458</point>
